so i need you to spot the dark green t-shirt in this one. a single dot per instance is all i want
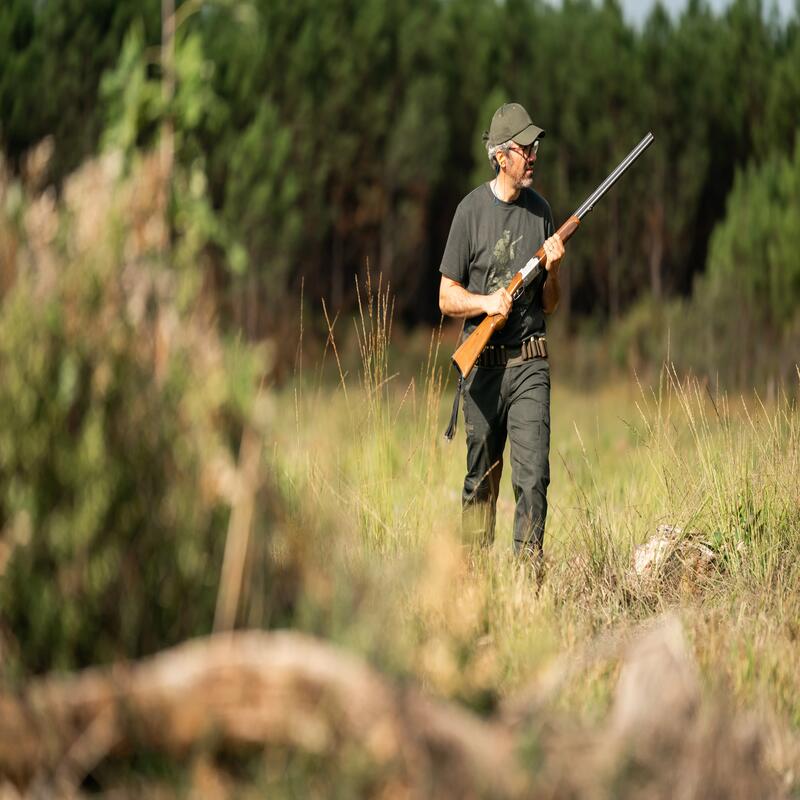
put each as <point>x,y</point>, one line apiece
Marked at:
<point>489,242</point>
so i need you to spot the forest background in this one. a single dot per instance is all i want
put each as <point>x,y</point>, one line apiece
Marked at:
<point>335,138</point>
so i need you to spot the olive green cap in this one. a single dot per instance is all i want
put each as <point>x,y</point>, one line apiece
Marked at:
<point>512,121</point>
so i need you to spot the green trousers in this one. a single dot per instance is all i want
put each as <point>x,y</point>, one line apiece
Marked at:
<point>508,403</point>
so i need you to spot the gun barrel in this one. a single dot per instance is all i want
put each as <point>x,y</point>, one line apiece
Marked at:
<point>590,202</point>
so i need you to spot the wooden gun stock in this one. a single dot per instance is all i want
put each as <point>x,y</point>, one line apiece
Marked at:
<point>470,349</point>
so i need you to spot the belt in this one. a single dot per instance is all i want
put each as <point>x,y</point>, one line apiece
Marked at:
<point>498,355</point>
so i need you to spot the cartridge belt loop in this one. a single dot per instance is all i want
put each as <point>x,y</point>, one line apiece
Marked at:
<point>528,350</point>
<point>497,356</point>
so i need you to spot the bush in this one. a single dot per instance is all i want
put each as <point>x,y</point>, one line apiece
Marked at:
<point>119,417</point>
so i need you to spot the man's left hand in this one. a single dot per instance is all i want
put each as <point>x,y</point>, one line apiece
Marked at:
<point>554,252</point>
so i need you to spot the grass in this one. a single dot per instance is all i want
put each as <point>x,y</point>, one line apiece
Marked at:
<point>365,458</point>
<point>357,533</point>
<point>373,534</point>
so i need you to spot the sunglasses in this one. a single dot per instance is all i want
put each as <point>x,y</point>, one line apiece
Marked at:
<point>526,152</point>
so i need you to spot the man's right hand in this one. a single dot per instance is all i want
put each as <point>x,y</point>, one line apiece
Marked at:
<point>498,303</point>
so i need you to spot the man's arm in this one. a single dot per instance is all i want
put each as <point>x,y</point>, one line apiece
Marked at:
<point>551,291</point>
<point>456,301</point>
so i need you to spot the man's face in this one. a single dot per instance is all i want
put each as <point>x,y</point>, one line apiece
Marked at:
<point>519,164</point>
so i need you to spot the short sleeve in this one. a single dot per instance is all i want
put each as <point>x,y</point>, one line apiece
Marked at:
<point>456,257</point>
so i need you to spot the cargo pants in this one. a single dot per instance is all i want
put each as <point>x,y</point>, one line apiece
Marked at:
<point>511,403</point>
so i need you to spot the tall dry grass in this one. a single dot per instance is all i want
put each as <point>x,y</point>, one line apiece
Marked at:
<point>347,522</point>
<point>472,624</point>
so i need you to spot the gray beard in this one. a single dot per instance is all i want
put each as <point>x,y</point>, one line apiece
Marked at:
<point>524,183</point>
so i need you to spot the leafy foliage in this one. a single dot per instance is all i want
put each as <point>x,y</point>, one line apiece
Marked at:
<point>119,413</point>
<point>335,137</point>
<point>756,247</point>
<point>52,57</point>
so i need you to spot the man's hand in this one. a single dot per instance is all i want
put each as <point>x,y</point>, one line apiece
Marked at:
<point>498,303</point>
<point>554,252</point>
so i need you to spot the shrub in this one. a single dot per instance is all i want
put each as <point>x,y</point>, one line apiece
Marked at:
<point>119,418</point>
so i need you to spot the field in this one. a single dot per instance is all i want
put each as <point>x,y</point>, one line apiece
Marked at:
<point>167,484</point>
<point>362,458</point>
<point>232,563</point>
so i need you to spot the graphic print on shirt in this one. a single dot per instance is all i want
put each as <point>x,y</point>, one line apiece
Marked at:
<point>500,271</point>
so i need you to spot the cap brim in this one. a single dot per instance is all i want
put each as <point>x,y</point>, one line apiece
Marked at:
<point>528,135</point>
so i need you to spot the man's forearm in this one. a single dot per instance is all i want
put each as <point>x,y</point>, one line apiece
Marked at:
<point>456,301</point>
<point>551,292</point>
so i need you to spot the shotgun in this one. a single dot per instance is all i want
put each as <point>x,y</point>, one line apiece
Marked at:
<point>467,354</point>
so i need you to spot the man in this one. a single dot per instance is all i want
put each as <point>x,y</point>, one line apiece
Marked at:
<point>495,230</point>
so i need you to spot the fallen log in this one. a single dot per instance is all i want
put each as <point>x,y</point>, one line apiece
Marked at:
<point>248,688</point>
